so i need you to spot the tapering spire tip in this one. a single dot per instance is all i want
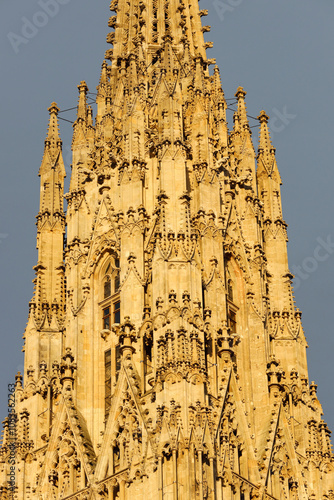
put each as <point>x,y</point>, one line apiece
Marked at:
<point>53,109</point>
<point>53,132</point>
<point>263,117</point>
<point>83,87</point>
<point>240,93</point>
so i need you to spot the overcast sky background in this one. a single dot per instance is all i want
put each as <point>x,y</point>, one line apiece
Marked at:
<point>281,52</point>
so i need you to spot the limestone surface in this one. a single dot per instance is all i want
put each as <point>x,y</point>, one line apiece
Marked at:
<point>164,355</point>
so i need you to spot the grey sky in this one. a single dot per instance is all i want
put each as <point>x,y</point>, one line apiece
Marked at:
<point>280,52</point>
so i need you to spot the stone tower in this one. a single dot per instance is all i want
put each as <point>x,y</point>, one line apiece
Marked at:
<point>164,356</point>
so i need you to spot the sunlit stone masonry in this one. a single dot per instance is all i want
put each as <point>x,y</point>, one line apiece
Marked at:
<point>164,355</point>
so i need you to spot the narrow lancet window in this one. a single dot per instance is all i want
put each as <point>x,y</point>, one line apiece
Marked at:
<point>147,356</point>
<point>117,312</point>
<point>230,290</point>
<point>232,320</point>
<point>117,282</point>
<point>106,318</point>
<point>107,288</point>
<point>110,300</point>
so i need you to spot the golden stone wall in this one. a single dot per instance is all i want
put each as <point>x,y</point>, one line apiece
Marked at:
<point>164,356</point>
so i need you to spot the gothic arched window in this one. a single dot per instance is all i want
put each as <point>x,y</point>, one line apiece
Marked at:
<point>107,287</point>
<point>230,290</point>
<point>110,304</point>
<point>232,321</point>
<point>148,347</point>
<point>116,282</point>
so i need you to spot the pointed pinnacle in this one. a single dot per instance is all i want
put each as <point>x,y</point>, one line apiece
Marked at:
<point>53,139</point>
<point>52,144</point>
<point>141,55</point>
<point>53,109</point>
<point>265,144</point>
<point>242,109</point>
<point>82,106</point>
<point>217,80</point>
<point>198,74</point>
<point>90,116</point>
<point>104,74</point>
<point>187,59</point>
<point>133,80</point>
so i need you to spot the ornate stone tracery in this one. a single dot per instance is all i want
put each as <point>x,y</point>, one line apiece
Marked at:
<point>164,355</point>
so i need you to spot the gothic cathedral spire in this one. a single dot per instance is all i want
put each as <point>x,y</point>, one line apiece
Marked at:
<point>175,366</point>
<point>48,303</point>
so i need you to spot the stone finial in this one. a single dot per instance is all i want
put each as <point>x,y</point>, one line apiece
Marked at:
<point>313,390</point>
<point>53,140</point>
<point>225,343</point>
<point>127,336</point>
<point>55,369</point>
<point>18,380</point>
<point>172,297</point>
<point>275,375</point>
<point>82,105</point>
<point>263,117</point>
<point>265,144</point>
<point>53,477</point>
<point>53,109</point>
<point>294,375</point>
<point>147,312</point>
<point>240,93</point>
<point>240,116</point>
<point>43,368</point>
<point>293,484</point>
<point>159,304</point>
<point>207,314</point>
<point>30,373</point>
<point>67,369</point>
<point>186,298</point>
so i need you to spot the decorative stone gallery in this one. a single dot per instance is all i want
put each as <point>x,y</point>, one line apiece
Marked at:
<point>164,355</point>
